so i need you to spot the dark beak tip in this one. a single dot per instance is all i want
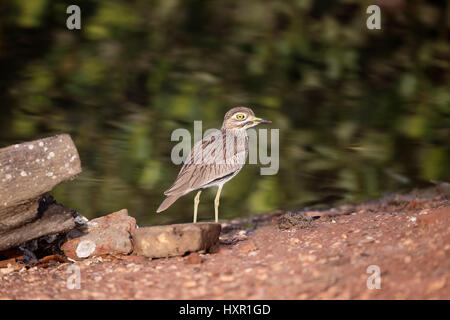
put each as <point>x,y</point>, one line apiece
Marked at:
<point>259,120</point>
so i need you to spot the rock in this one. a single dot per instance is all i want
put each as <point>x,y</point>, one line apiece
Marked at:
<point>53,218</point>
<point>85,248</point>
<point>9,268</point>
<point>314,213</point>
<point>7,263</point>
<point>193,258</point>
<point>291,219</point>
<point>226,278</point>
<point>176,239</point>
<point>27,172</point>
<point>190,284</point>
<point>250,246</point>
<point>105,235</point>
<point>438,216</point>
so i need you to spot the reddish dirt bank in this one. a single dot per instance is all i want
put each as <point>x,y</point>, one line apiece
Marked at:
<point>407,237</point>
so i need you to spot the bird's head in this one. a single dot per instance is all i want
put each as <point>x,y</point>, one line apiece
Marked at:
<point>241,118</point>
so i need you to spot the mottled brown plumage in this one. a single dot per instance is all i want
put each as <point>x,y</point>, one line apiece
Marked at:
<point>215,159</point>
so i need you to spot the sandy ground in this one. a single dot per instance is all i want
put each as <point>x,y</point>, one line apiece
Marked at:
<point>405,238</point>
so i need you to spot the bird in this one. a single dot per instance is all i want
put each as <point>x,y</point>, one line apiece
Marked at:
<point>214,160</point>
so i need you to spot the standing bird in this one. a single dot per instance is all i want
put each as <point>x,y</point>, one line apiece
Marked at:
<point>215,159</point>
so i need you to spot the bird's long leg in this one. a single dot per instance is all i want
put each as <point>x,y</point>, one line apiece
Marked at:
<point>196,202</point>
<point>216,203</point>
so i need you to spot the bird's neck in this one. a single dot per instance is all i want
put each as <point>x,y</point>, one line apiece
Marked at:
<point>236,132</point>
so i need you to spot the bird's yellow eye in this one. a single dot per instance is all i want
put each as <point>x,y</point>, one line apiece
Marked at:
<point>240,116</point>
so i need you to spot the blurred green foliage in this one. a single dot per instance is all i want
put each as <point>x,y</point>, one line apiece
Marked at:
<point>361,112</point>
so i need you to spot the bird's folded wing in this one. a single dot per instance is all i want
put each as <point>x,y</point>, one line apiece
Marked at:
<point>210,160</point>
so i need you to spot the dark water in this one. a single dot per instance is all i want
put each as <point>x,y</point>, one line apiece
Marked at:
<point>360,112</point>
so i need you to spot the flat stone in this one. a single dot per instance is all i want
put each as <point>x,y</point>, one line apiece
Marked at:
<point>176,239</point>
<point>105,235</point>
<point>27,172</point>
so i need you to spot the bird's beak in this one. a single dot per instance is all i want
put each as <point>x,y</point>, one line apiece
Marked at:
<point>259,120</point>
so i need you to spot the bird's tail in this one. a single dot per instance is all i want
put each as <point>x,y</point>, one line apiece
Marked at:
<point>168,202</point>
